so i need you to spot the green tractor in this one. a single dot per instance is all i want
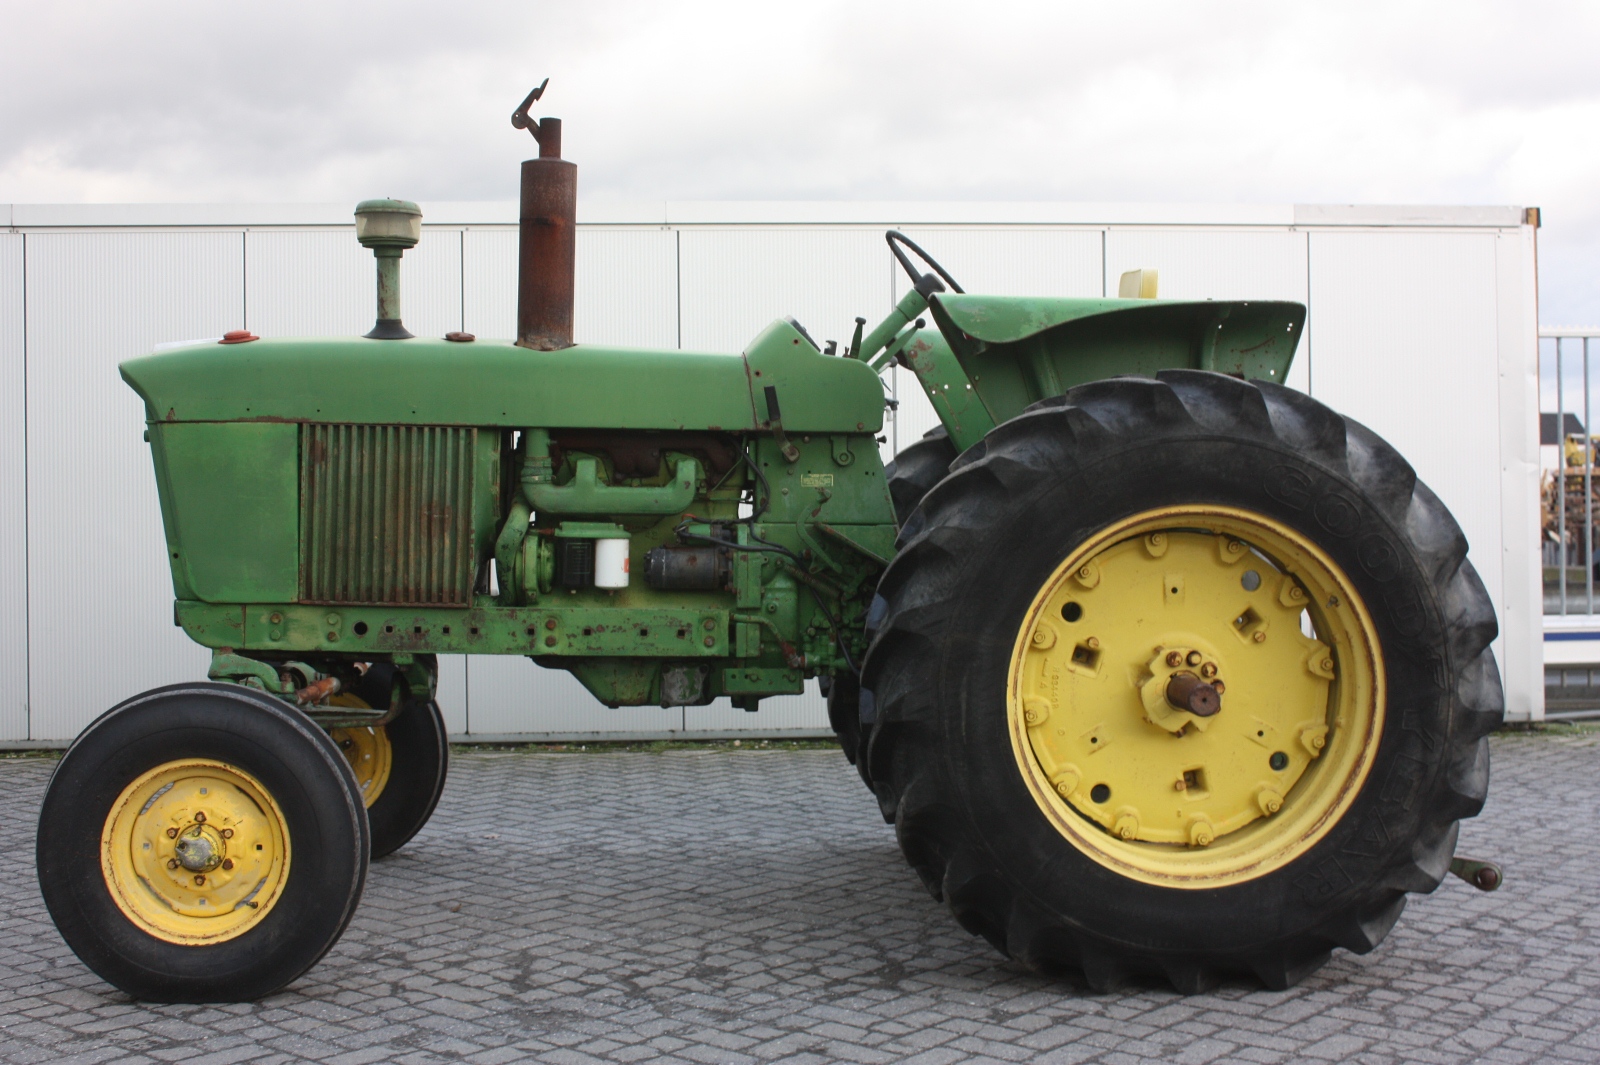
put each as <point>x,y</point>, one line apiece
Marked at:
<point>1159,669</point>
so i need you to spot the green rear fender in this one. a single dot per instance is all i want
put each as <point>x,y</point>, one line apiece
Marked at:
<point>1016,351</point>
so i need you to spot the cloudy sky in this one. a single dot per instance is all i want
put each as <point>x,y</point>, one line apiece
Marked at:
<point>1214,102</point>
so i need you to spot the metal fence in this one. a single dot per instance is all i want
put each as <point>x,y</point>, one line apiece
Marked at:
<point>1568,478</point>
<point>1569,359</point>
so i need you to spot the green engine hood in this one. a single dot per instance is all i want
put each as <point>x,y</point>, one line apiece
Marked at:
<point>494,383</point>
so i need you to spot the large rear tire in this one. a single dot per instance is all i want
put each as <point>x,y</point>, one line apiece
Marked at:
<point>202,843</point>
<point>916,469</point>
<point>912,474</point>
<point>1047,596</point>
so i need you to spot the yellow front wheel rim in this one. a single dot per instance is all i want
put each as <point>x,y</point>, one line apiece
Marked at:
<point>1164,602</point>
<point>195,851</point>
<point>369,752</point>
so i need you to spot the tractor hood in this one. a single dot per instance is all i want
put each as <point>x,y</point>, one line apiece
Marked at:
<point>427,381</point>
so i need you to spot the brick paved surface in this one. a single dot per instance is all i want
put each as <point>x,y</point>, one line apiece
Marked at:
<point>751,907</point>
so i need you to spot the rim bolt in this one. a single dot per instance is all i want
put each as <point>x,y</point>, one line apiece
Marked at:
<point>1259,637</point>
<point>199,879</point>
<point>227,863</point>
<point>1327,663</point>
<point>200,817</point>
<point>172,863</point>
<point>172,833</point>
<point>227,833</point>
<point>1175,658</point>
<point>1093,642</point>
<point>1234,547</point>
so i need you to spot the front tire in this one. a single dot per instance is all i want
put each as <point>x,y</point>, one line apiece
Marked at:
<point>400,766</point>
<point>1327,786</point>
<point>201,843</point>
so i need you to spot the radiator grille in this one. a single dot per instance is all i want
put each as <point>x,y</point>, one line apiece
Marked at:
<point>386,514</point>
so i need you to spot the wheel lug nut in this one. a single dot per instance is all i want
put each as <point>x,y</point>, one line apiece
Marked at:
<point>1194,658</point>
<point>199,879</point>
<point>227,863</point>
<point>172,833</point>
<point>200,817</point>
<point>1175,658</point>
<point>1208,670</point>
<point>227,833</point>
<point>172,863</point>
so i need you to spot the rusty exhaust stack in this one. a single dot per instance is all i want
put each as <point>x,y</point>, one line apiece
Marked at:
<point>546,236</point>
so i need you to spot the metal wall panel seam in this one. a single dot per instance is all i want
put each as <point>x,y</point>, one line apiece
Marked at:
<point>993,213</point>
<point>1306,335</point>
<point>27,531</point>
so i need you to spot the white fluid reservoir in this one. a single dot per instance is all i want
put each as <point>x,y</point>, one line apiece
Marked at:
<point>611,563</point>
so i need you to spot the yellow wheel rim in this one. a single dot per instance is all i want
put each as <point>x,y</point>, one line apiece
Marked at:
<point>1203,791</point>
<point>195,852</point>
<point>368,751</point>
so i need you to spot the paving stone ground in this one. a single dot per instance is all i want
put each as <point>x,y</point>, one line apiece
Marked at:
<point>723,906</point>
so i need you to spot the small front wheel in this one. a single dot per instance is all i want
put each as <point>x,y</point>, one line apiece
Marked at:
<point>399,766</point>
<point>202,843</point>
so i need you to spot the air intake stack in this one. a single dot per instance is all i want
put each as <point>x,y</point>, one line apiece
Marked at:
<point>546,236</point>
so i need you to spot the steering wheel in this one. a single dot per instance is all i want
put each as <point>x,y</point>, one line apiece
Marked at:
<point>926,284</point>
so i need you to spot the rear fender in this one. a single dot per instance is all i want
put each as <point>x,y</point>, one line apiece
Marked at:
<point>1015,351</point>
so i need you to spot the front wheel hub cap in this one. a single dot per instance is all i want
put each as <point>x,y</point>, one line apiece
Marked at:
<point>195,851</point>
<point>200,849</point>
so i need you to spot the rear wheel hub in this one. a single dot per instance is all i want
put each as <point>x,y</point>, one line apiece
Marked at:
<point>1195,695</point>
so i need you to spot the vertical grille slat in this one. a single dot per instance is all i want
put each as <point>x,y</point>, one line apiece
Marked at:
<point>386,514</point>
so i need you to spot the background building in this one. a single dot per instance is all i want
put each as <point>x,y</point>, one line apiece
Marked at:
<point>1423,326</point>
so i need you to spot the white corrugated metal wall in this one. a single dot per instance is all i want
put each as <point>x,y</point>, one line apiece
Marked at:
<point>1422,328</point>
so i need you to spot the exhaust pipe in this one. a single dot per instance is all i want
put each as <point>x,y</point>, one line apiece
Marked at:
<point>546,239</point>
